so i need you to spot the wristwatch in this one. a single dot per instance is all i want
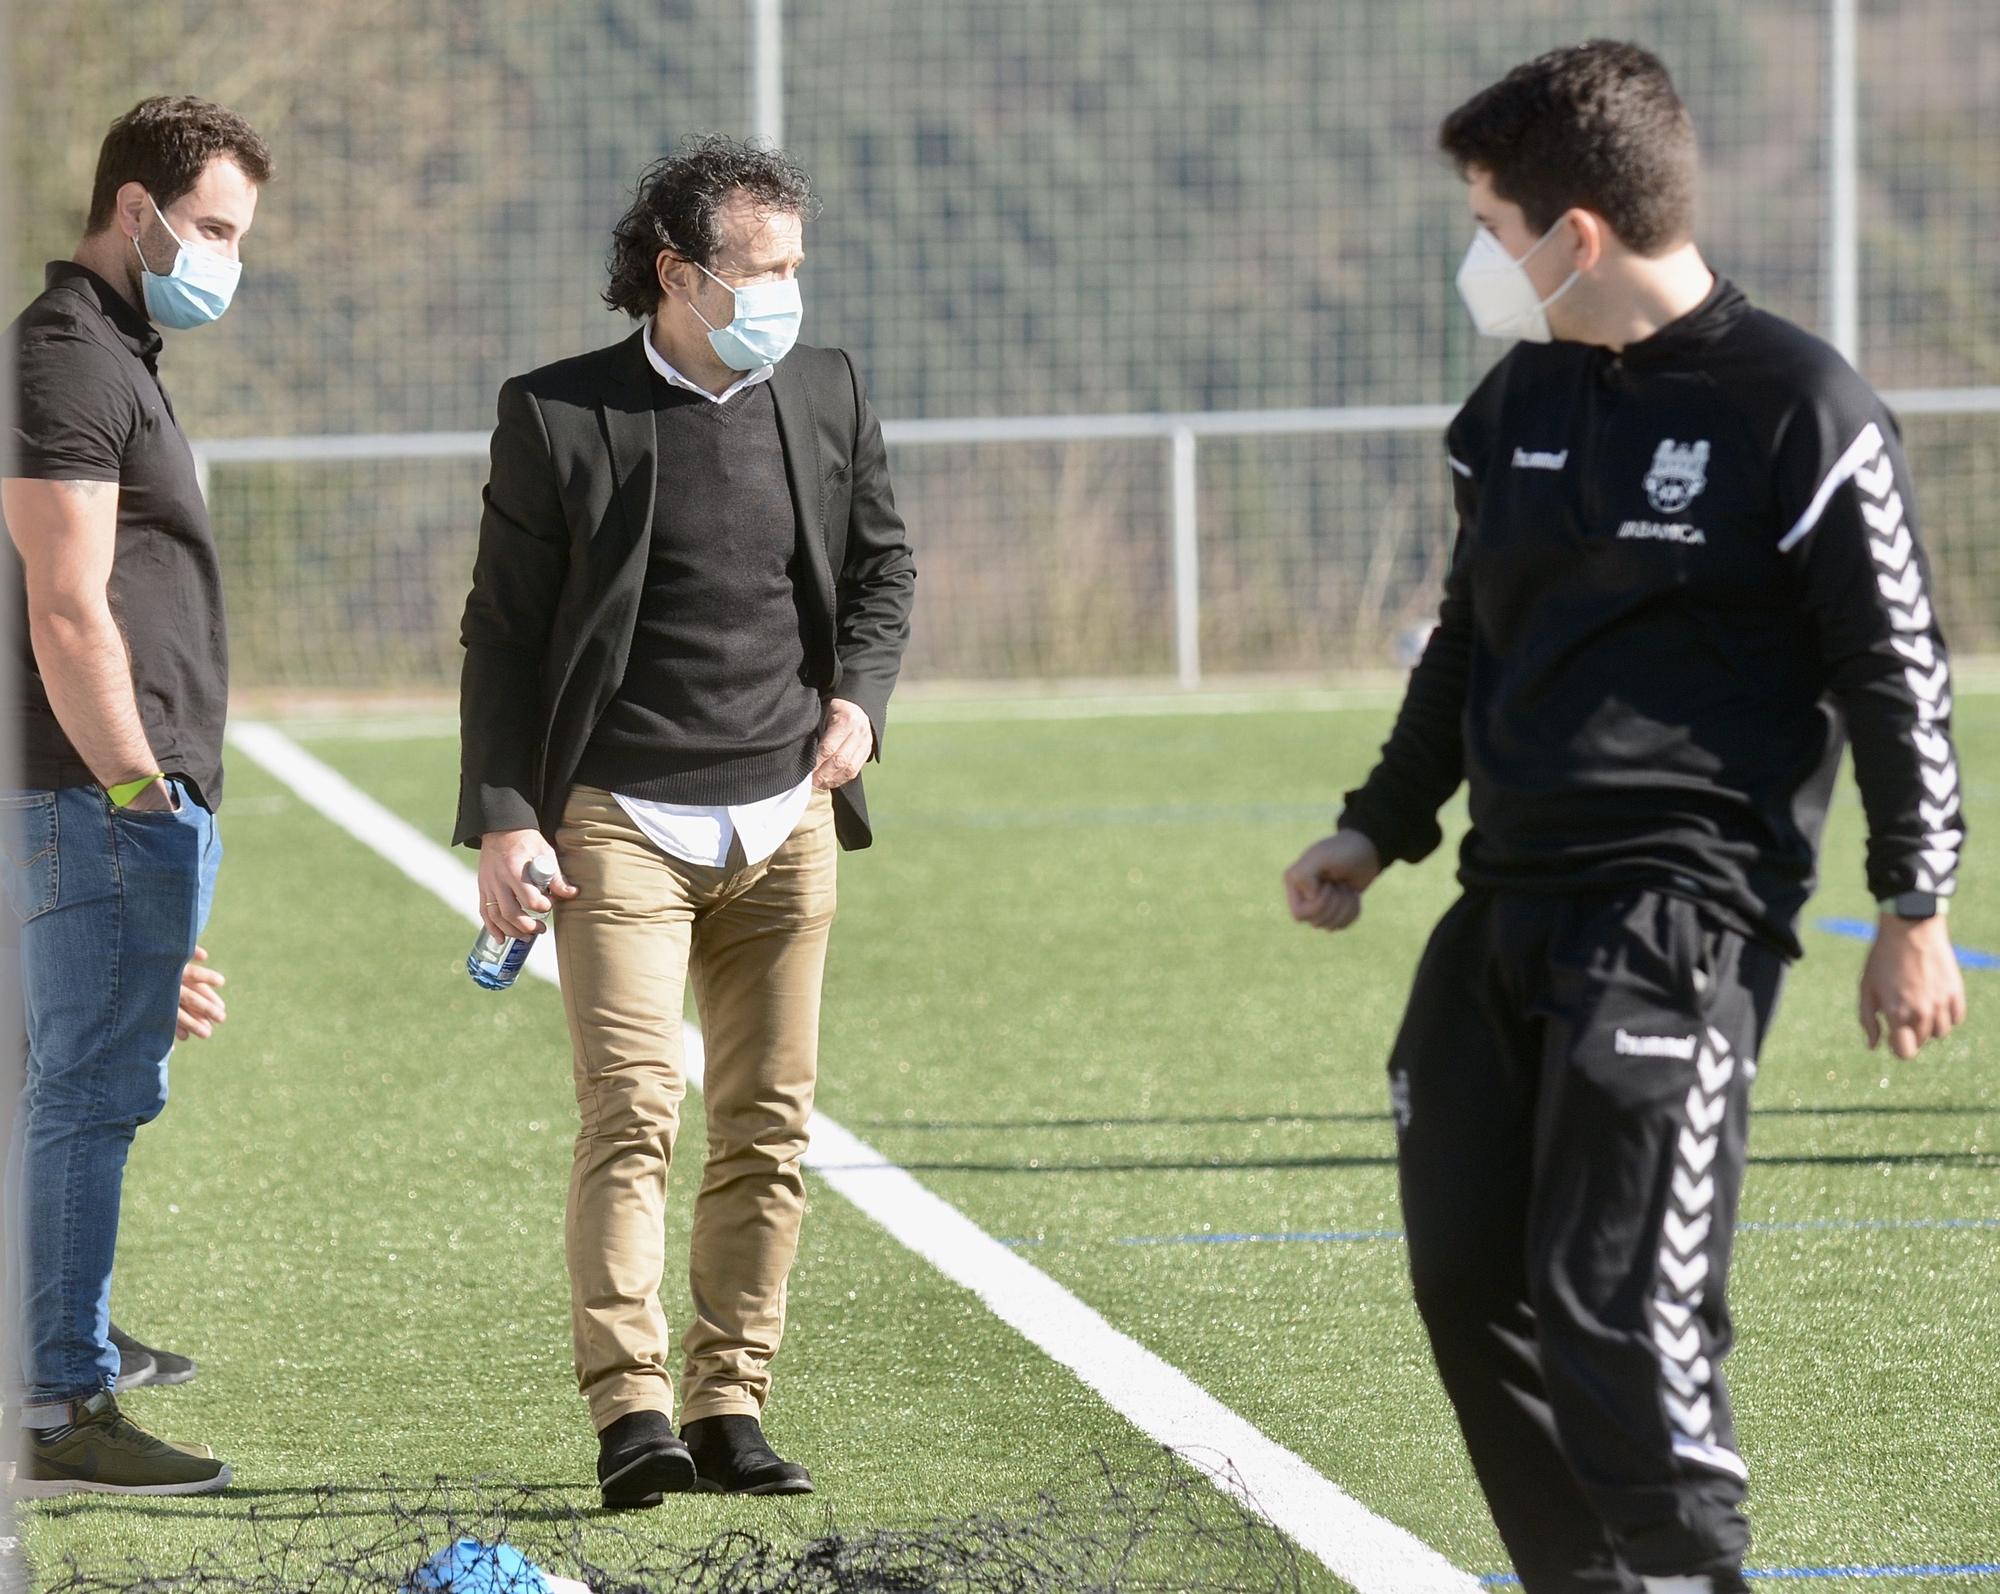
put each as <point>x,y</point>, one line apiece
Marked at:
<point>1915,905</point>
<point>126,793</point>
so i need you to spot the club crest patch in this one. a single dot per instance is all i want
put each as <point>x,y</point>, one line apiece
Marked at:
<point>1678,474</point>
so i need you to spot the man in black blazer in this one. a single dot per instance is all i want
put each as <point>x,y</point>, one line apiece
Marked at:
<point>688,612</point>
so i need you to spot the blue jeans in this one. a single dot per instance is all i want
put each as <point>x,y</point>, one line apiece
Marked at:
<point>109,904</point>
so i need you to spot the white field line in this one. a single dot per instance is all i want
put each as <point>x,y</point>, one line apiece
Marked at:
<point>1373,1555</point>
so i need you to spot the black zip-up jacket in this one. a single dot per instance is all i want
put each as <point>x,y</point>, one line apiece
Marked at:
<point>1680,573</point>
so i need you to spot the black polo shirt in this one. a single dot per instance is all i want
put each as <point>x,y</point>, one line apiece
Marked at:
<point>90,407</point>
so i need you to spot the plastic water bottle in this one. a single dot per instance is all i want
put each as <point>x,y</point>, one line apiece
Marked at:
<point>495,961</point>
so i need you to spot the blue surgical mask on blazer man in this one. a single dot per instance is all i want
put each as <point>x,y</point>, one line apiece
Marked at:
<point>764,326</point>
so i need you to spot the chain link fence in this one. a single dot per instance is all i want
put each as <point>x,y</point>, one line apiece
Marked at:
<point>1167,216</point>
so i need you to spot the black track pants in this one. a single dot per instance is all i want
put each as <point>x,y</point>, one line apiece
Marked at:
<point>1571,1085</point>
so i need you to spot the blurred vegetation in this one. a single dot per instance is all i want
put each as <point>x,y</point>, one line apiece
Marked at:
<point>1032,206</point>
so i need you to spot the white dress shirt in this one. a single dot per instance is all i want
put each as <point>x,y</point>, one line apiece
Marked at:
<point>690,831</point>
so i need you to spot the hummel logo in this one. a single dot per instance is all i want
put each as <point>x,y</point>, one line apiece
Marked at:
<point>1626,1044</point>
<point>1528,459</point>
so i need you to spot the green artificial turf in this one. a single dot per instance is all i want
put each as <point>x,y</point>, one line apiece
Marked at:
<point>1064,992</point>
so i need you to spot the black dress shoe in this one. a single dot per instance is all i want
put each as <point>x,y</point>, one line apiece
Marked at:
<point>639,1460</point>
<point>732,1457</point>
<point>141,1366</point>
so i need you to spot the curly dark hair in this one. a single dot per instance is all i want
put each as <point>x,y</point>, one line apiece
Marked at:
<point>166,143</point>
<point>677,203</point>
<point>1597,126</point>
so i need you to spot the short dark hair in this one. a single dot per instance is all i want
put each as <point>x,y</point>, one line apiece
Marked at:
<point>1596,126</point>
<point>166,143</point>
<point>677,204</point>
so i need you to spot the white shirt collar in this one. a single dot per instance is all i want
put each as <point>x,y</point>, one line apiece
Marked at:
<point>658,361</point>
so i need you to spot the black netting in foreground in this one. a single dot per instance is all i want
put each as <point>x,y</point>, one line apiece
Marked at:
<point>1091,1531</point>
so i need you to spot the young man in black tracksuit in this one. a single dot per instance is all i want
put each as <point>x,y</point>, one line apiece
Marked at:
<point>1686,571</point>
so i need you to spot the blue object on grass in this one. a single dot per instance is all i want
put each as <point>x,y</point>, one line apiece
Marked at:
<point>469,1567</point>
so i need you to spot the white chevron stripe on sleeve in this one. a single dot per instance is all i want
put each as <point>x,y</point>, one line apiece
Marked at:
<point>1928,684</point>
<point>1884,519</point>
<point>1875,480</point>
<point>1917,617</point>
<point>1933,746</point>
<point>1895,553</point>
<point>1860,452</point>
<point>1902,589</point>
<point>1938,815</point>
<point>1935,713</point>
<point>1900,580</point>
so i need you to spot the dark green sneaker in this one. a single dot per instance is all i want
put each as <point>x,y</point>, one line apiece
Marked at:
<point>106,1453</point>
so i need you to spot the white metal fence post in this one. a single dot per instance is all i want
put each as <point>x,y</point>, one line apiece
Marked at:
<point>1843,266</point>
<point>1187,560</point>
<point>767,74</point>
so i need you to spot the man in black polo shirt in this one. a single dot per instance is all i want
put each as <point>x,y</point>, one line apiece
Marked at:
<point>1686,568</point>
<point>122,684</point>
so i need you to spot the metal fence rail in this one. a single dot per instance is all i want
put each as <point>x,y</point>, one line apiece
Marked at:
<point>1180,550</point>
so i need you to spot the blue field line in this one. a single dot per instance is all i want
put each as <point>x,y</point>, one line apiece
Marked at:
<point>1355,1236</point>
<point>1915,1569</point>
<point>1862,930</point>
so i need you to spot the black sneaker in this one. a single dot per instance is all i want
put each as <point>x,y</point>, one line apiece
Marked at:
<point>731,1456</point>
<point>142,1365</point>
<point>639,1461</point>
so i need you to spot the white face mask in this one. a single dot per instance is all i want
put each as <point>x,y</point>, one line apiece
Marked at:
<point>1497,290</point>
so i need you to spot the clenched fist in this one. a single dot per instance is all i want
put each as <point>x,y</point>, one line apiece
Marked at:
<point>1324,887</point>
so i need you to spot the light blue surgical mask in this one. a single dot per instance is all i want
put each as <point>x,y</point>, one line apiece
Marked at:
<point>198,288</point>
<point>764,327</point>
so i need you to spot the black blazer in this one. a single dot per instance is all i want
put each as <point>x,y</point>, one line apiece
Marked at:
<point>563,547</point>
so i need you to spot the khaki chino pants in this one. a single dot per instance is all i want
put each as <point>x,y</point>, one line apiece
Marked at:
<point>753,942</point>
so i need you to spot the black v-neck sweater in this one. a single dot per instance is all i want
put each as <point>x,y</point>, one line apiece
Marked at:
<point>716,705</point>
